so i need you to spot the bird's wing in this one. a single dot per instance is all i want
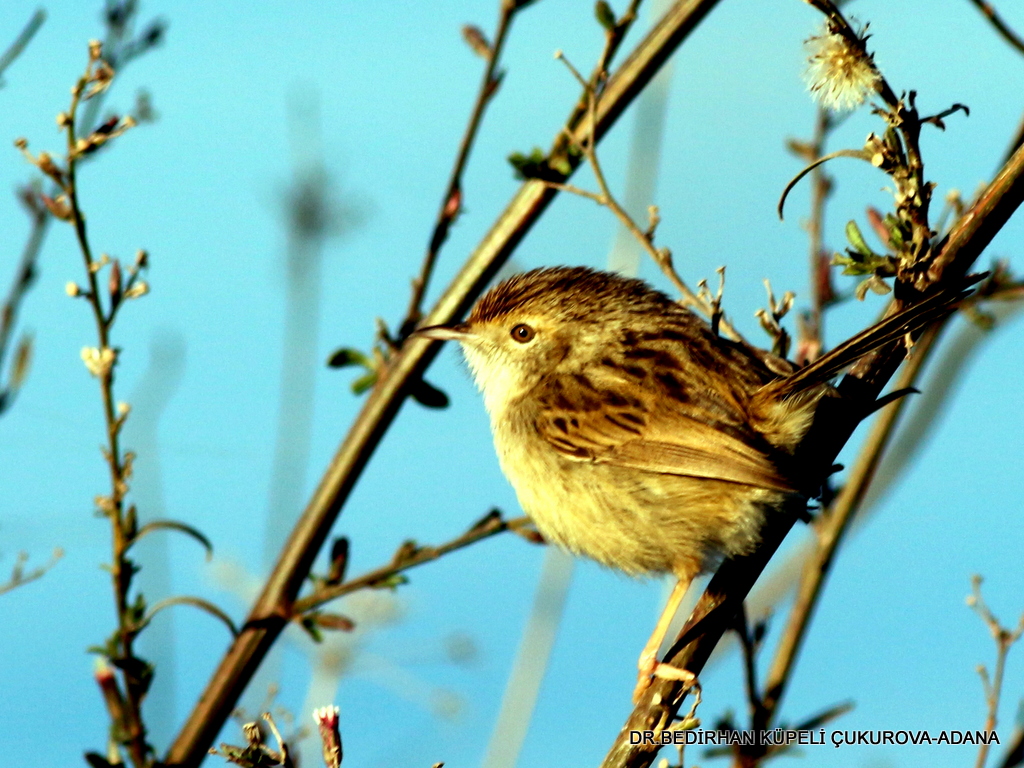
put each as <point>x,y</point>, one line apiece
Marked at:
<point>606,422</point>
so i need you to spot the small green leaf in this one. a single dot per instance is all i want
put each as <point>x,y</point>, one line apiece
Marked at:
<point>855,263</point>
<point>393,581</point>
<point>364,382</point>
<point>345,356</point>
<point>310,626</point>
<point>532,166</point>
<point>856,239</point>
<point>605,15</point>
<point>896,236</point>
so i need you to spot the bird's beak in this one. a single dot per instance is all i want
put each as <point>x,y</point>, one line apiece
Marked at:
<point>458,332</point>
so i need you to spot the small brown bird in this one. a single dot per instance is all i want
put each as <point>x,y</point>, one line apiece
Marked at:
<point>635,435</point>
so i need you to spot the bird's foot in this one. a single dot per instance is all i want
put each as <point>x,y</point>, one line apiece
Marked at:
<point>651,668</point>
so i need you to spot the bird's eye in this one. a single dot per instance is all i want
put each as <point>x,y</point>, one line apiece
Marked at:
<point>523,333</point>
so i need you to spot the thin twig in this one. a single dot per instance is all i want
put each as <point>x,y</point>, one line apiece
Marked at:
<point>24,37</point>
<point>451,202</point>
<point>271,612</point>
<point>661,256</point>
<point>1004,639</point>
<point>121,568</point>
<point>1000,26</point>
<point>490,526</point>
<point>812,332</point>
<point>20,285</point>
<point>19,577</point>
<point>755,702</point>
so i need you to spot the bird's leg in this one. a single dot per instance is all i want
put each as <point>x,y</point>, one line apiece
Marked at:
<point>649,665</point>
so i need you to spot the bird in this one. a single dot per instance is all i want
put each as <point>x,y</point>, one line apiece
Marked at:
<point>634,434</point>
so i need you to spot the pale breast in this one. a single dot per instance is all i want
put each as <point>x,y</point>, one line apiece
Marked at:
<point>635,521</point>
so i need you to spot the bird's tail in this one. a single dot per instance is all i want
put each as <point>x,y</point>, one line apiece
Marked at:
<point>909,320</point>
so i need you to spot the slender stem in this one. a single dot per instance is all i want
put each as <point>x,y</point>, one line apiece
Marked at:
<point>993,687</point>
<point>24,37</point>
<point>451,201</point>
<point>491,527</point>
<point>754,700</point>
<point>121,570</point>
<point>813,335</point>
<point>22,282</point>
<point>1001,27</point>
<point>661,256</point>
<point>992,698</point>
<point>272,610</point>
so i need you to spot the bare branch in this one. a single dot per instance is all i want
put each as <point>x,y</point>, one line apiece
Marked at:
<point>1000,26</point>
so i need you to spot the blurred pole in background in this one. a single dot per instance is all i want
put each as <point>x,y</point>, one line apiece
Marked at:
<point>312,217</point>
<point>158,384</point>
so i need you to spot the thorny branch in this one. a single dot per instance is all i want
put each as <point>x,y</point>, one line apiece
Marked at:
<point>272,610</point>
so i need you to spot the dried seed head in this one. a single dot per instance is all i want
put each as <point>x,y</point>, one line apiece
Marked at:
<point>841,74</point>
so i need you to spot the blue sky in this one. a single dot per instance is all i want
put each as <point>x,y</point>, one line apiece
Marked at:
<point>202,188</point>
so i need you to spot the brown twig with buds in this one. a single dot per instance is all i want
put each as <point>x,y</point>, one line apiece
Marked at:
<point>844,56</point>
<point>410,555</point>
<point>108,286</point>
<point>451,202</point>
<point>120,45</point>
<point>1004,639</point>
<point>19,577</point>
<point>661,256</point>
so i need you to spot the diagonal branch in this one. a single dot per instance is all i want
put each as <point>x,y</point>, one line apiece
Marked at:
<point>273,608</point>
<point>717,607</point>
<point>831,529</point>
<point>1000,26</point>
